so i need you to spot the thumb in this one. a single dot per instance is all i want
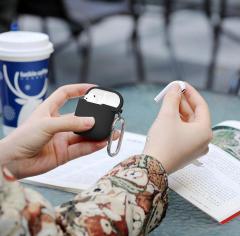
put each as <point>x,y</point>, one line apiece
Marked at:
<point>69,123</point>
<point>172,99</point>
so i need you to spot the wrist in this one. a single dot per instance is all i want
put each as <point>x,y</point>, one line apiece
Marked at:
<point>162,158</point>
<point>5,152</point>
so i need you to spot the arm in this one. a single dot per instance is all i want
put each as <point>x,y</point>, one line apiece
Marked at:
<point>130,199</point>
<point>23,211</point>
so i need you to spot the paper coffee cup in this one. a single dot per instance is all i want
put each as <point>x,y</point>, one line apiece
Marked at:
<point>23,75</point>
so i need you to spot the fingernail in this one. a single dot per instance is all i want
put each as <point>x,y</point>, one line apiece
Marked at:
<point>89,121</point>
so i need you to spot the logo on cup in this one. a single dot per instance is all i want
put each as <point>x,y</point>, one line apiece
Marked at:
<point>25,88</point>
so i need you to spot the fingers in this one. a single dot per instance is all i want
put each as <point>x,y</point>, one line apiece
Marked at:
<point>198,105</point>
<point>172,100</point>
<point>193,97</point>
<point>67,123</point>
<point>74,138</point>
<point>185,110</point>
<point>84,148</point>
<point>64,93</point>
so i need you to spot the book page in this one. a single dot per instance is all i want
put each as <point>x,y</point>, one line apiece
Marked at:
<point>85,171</point>
<point>213,184</point>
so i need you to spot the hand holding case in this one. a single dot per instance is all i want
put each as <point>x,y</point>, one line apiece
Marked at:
<point>104,116</point>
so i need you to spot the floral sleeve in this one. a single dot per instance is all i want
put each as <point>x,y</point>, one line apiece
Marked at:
<point>130,200</point>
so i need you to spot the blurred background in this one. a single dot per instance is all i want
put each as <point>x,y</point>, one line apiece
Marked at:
<point>124,42</point>
<point>137,47</point>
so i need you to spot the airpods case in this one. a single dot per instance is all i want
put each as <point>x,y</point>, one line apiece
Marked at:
<point>104,116</point>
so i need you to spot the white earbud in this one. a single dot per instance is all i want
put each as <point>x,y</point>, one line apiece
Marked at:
<point>182,85</point>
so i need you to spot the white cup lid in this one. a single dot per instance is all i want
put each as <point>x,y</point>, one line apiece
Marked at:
<point>24,46</point>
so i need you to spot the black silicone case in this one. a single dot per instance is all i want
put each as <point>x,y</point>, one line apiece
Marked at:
<point>103,114</point>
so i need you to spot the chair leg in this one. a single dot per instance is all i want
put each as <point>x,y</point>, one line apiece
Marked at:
<point>238,86</point>
<point>52,77</point>
<point>84,73</point>
<point>235,85</point>
<point>217,31</point>
<point>215,49</point>
<point>168,8</point>
<point>84,50</point>
<point>207,4</point>
<point>135,39</point>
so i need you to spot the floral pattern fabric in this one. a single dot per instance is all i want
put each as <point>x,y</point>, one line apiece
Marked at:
<point>130,200</point>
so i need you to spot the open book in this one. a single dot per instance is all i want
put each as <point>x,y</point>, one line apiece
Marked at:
<point>212,183</point>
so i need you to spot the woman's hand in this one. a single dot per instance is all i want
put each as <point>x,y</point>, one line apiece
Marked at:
<point>46,140</point>
<point>181,131</point>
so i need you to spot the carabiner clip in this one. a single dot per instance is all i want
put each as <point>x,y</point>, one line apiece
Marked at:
<point>110,140</point>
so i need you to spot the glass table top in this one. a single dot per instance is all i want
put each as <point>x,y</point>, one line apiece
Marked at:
<point>139,111</point>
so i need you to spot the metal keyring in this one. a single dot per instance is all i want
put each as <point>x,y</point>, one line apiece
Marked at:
<point>110,140</point>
